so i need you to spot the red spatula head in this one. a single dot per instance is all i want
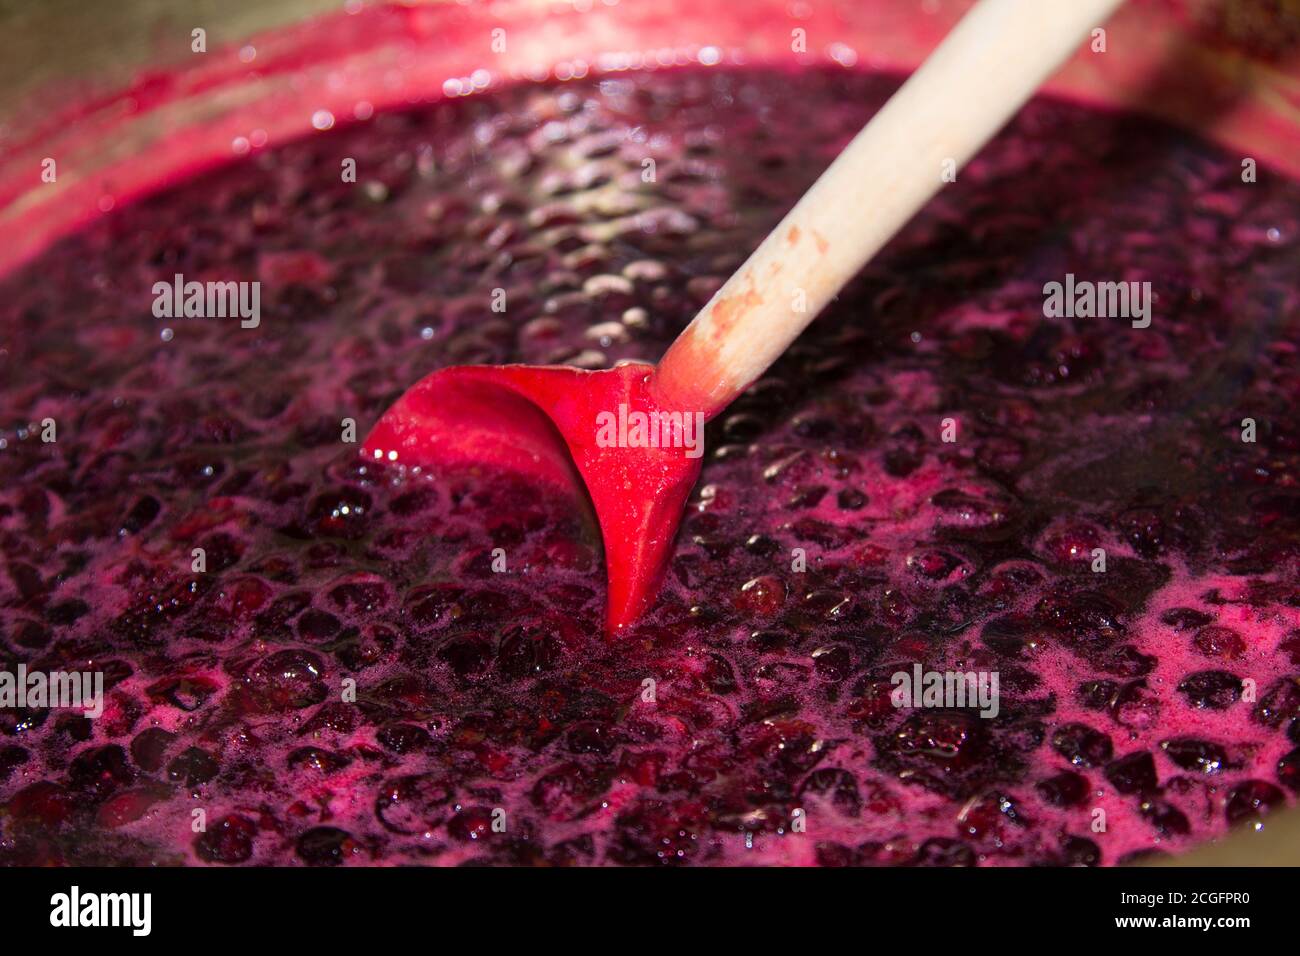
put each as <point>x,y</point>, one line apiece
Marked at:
<point>600,435</point>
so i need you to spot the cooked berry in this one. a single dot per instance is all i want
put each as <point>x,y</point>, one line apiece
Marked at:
<point>1096,694</point>
<point>944,851</point>
<point>42,804</point>
<point>283,681</point>
<point>1165,817</point>
<point>762,596</point>
<point>66,612</point>
<point>315,625</point>
<point>1081,745</point>
<point>228,840</point>
<point>1132,773</point>
<point>1065,789</point>
<point>99,771</point>
<point>1080,851</point>
<point>1127,661</point>
<point>1136,706</point>
<point>1219,642</point>
<point>150,746</point>
<point>941,736</point>
<point>184,693</point>
<point>326,846</point>
<point>192,767</point>
<point>1201,756</point>
<point>403,738</point>
<point>531,648</point>
<point>850,499</point>
<point>1291,647</point>
<point>317,759</point>
<point>1288,770</point>
<point>1073,542</point>
<point>413,803</point>
<point>1252,799</point>
<point>1216,690</point>
<point>1185,618</point>
<point>1281,701</point>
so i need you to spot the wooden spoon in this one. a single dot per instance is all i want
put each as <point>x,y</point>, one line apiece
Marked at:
<point>550,424</point>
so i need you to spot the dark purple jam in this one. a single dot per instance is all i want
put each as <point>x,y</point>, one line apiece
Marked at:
<point>491,721</point>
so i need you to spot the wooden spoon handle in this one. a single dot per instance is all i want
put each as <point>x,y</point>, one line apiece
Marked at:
<point>967,89</point>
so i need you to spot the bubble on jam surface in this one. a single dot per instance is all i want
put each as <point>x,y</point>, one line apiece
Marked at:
<point>834,540</point>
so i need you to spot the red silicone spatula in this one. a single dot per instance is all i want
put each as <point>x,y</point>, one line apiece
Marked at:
<point>551,424</point>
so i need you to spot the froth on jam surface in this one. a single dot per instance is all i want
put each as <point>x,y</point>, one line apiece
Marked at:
<point>748,719</point>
